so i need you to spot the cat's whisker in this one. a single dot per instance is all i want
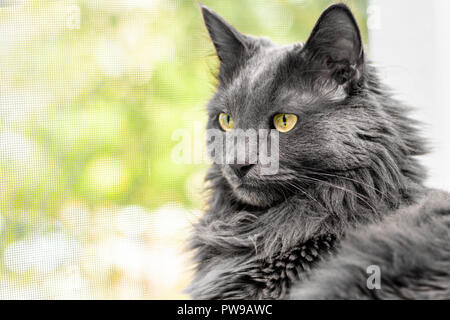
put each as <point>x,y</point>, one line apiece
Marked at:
<point>356,194</point>
<point>297,187</point>
<point>314,171</point>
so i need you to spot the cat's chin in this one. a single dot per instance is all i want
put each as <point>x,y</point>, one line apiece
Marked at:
<point>250,191</point>
<point>255,196</point>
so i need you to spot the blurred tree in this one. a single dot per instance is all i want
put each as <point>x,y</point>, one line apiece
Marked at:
<point>90,94</point>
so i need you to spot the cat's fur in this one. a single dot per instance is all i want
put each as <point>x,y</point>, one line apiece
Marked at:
<point>349,190</point>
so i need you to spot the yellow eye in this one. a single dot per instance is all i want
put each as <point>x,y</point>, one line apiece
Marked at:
<point>284,122</point>
<point>226,121</point>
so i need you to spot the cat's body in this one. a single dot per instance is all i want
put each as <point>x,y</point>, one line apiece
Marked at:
<point>348,194</point>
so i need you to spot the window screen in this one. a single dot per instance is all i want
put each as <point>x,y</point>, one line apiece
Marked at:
<point>94,202</point>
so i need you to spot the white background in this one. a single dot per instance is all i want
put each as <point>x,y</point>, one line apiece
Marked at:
<point>410,42</point>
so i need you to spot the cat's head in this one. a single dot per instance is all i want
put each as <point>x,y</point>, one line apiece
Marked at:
<point>318,95</point>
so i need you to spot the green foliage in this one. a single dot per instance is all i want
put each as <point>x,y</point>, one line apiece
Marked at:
<point>88,113</point>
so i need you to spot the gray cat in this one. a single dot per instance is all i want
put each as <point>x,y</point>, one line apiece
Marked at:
<point>346,216</point>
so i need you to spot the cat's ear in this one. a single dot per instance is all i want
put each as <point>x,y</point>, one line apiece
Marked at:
<point>231,46</point>
<point>336,43</point>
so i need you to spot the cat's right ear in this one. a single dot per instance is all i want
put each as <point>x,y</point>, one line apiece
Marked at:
<point>336,43</point>
<point>231,46</point>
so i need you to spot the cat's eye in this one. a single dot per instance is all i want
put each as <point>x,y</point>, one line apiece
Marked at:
<point>284,122</point>
<point>226,121</point>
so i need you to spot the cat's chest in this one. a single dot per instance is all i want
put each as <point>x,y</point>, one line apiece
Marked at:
<point>245,276</point>
<point>280,272</point>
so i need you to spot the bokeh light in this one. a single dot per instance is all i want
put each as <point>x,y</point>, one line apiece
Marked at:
<point>91,204</point>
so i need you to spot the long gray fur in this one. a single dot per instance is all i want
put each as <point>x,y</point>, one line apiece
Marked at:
<point>349,192</point>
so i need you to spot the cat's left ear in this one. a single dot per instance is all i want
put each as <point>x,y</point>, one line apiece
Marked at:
<point>335,43</point>
<point>231,46</point>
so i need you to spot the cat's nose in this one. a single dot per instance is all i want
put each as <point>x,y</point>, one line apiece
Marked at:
<point>241,169</point>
